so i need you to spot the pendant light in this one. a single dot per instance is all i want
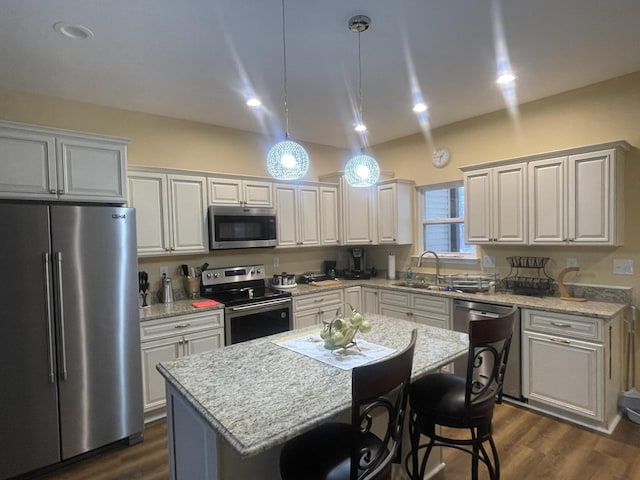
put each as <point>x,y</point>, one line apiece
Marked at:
<point>361,170</point>
<point>287,160</point>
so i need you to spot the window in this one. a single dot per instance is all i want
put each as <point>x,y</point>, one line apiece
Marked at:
<point>442,220</point>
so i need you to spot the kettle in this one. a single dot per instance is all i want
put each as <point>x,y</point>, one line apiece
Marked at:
<point>167,290</point>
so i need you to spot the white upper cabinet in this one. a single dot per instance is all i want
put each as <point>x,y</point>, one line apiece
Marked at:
<point>570,197</point>
<point>577,199</point>
<point>298,214</point>
<point>236,191</point>
<point>395,212</point>
<point>329,219</point>
<point>358,214</point>
<point>50,164</point>
<point>171,214</point>
<point>495,204</point>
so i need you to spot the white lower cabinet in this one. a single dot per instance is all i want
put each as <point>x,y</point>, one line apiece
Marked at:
<point>169,338</point>
<point>315,308</point>
<point>416,307</point>
<point>352,299</point>
<point>570,365</point>
<point>370,300</point>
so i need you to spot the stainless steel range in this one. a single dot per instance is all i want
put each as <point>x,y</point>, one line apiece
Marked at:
<point>252,308</point>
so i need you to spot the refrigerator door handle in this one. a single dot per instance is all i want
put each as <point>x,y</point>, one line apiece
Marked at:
<point>63,351</point>
<point>47,300</point>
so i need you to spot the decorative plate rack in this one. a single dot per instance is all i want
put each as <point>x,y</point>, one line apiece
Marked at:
<point>528,276</point>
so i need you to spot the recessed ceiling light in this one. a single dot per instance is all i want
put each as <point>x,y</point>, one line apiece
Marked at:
<point>74,31</point>
<point>419,108</point>
<point>254,102</point>
<point>506,78</point>
<point>360,127</point>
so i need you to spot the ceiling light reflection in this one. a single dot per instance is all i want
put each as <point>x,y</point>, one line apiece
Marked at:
<point>254,102</point>
<point>419,108</point>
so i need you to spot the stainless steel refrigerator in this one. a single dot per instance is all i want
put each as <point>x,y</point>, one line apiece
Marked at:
<point>70,377</point>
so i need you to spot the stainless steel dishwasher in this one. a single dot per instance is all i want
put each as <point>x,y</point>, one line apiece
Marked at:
<point>463,312</point>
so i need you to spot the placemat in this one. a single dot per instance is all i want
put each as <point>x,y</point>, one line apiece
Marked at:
<point>311,345</point>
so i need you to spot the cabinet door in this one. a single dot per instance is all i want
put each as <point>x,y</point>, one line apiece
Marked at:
<point>27,165</point>
<point>547,201</point>
<point>352,299</point>
<point>92,170</point>
<point>287,209</point>
<point>370,302</point>
<point>394,311</point>
<point>358,222</point>
<point>305,318</point>
<point>509,204</point>
<point>566,374</point>
<point>257,193</point>
<point>590,198</point>
<point>148,195</point>
<point>477,206</point>
<point>387,213</point>
<point>188,200</point>
<point>431,319</point>
<point>203,341</point>
<point>225,191</point>
<point>154,352</point>
<point>309,215</point>
<point>329,232</point>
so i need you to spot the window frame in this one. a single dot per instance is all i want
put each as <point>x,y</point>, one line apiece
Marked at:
<point>421,222</point>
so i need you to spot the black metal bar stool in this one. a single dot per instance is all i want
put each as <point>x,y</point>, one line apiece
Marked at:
<point>463,402</point>
<point>340,451</point>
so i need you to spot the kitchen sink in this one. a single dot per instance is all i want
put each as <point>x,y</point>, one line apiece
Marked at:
<point>421,285</point>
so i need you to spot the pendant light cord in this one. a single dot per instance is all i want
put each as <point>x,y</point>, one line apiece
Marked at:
<point>284,48</point>
<point>360,77</point>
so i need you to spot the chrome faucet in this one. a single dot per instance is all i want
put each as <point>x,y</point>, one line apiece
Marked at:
<point>435,255</point>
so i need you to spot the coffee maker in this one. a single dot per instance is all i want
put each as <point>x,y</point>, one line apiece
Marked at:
<point>357,263</point>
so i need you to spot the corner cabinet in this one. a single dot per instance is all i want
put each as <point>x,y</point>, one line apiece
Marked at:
<point>41,163</point>
<point>577,199</point>
<point>240,192</point>
<point>571,366</point>
<point>496,205</point>
<point>395,200</point>
<point>169,338</point>
<point>171,212</point>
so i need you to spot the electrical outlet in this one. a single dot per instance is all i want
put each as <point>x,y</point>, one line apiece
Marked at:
<point>164,271</point>
<point>489,261</point>
<point>276,261</point>
<point>623,266</point>
<point>572,262</point>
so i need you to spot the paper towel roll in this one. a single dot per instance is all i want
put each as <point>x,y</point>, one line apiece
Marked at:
<point>391,267</point>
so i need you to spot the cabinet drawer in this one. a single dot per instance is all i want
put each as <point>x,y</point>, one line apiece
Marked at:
<point>391,297</point>
<point>318,300</point>
<point>569,326</point>
<point>179,324</point>
<point>429,303</point>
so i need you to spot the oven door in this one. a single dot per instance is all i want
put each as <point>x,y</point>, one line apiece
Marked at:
<point>255,320</point>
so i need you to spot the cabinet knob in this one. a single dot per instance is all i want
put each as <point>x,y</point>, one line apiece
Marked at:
<point>166,249</point>
<point>53,190</point>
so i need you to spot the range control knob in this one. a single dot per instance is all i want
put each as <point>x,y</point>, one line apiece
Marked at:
<point>215,275</point>
<point>208,275</point>
<point>258,271</point>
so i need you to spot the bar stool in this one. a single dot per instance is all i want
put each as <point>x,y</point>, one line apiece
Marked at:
<point>340,451</point>
<point>463,402</point>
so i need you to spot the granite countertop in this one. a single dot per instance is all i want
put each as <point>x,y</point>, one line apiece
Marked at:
<point>590,308</point>
<point>257,394</point>
<point>179,307</point>
<point>596,309</point>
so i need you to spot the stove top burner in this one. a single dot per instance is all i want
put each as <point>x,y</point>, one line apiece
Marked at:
<point>235,286</point>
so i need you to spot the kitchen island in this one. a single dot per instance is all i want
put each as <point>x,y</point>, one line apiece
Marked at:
<point>229,411</point>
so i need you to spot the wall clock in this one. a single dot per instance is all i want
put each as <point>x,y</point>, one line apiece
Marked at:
<point>441,157</point>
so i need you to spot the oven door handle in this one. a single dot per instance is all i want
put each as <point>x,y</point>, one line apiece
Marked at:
<point>254,306</point>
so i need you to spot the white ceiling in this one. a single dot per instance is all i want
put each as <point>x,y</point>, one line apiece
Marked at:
<point>198,59</point>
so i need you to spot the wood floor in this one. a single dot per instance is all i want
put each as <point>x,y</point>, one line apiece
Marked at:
<point>532,446</point>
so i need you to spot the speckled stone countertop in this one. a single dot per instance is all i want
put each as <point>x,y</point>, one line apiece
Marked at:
<point>258,394</point>
<point>179,307</point>
<point>597,309</point>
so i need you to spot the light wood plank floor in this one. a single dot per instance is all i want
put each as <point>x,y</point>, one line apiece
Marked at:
<point>532,446</point>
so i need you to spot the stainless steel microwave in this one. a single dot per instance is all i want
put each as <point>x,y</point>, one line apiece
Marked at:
<point>241,227</point>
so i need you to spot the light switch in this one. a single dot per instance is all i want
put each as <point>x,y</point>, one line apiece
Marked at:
<point>489,261</point>
<point>276,261</point>
<point>623,266</point>
<point>164,271</point>
<point>572,262</point>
